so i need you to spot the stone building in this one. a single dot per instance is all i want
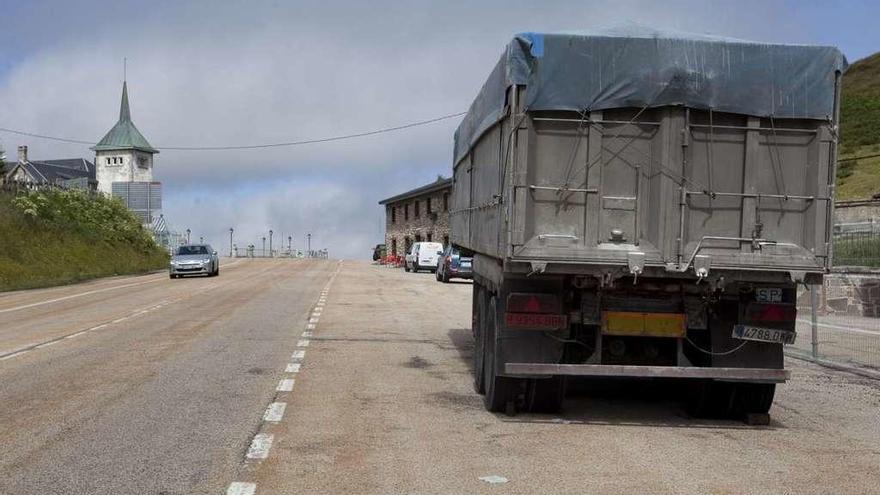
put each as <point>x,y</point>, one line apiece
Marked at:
<point>421,214</point>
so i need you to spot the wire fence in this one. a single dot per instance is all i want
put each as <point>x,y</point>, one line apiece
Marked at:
<point>857,248</point>
<point>839,326</point>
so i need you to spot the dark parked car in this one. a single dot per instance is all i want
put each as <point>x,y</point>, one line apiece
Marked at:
<point>453,264</point>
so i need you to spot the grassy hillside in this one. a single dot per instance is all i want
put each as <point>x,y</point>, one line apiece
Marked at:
<point>860,130</point>
<point>57,237</point>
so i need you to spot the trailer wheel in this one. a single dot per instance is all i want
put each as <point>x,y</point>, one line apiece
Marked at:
<point>713,400</point>
<point>501,391</point>
<point>546,394</point>
<point>478,329</point>
<point>753,398</point>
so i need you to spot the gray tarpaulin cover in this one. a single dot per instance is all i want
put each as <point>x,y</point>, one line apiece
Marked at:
<point>641,67</point>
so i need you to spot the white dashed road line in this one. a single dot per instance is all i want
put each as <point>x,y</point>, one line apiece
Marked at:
<point>298,355</point>
<point>285,385</point>
<point>239,488</point>
<point>260,446</point>
<point>274,412</point>
<point>307,334</point>
<point>303,343</point>
<point>292,368</point>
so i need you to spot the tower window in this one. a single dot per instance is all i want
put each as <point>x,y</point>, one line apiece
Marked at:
<point>108,161</point>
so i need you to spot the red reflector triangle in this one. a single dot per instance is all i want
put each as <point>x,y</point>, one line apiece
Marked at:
<point>533,305</point>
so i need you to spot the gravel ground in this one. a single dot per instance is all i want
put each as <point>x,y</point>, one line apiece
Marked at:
<point>384,404</point>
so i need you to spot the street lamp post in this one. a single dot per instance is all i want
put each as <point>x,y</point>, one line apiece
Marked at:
<point>310,244</point>
<point>230,242</point>
<point>187,236</point>
<point>270,243</point>
<point>289,240</point>
<point>264,245</point>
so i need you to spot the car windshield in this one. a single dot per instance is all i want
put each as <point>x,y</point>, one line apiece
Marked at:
<point>185,250</point>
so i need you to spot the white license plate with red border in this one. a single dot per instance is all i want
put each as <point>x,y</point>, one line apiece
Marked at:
<point>536,321</point>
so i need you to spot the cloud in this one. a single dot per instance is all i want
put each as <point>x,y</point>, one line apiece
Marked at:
<point>228,73</point>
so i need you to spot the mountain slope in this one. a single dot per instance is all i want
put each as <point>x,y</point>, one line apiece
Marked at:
<point>860,130</point>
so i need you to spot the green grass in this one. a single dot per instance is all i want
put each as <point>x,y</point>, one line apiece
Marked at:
<point>860,130</point>
<point>58,237</point>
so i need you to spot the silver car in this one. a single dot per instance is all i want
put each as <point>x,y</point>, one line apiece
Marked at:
<point>194,259</point>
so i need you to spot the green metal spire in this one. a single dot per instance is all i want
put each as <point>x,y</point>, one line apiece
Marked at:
<point>124,111</point>
<point>124,135</point>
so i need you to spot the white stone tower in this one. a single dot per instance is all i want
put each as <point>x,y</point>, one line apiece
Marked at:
<point>123,155</point>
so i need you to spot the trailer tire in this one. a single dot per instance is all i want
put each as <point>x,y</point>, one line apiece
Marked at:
<point>501,391</point>
<point>753,398</point>
<point>478,330</point>
<point>546,395</point>
<point>712,400</point>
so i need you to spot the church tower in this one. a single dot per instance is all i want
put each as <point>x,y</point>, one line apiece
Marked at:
<point>123,154</point>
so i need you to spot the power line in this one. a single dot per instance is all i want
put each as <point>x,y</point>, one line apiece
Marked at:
<point>252,146</point>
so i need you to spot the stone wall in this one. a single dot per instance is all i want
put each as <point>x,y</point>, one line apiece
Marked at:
<point>401,231</point>
<point>847,293</point>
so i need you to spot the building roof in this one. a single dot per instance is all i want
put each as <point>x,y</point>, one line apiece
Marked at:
<point>54,171</point>
<point>124,135</point>
<point>437,185</point>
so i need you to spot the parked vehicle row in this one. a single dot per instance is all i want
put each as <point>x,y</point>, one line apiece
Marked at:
<point>446,263</point>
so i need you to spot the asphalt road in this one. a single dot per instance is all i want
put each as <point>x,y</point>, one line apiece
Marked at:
<point>318,377</point>
<point>145,385</point>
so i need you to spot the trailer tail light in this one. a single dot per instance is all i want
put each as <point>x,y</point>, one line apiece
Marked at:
<point>756,312</point>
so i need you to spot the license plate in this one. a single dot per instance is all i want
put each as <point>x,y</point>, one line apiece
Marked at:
<point>768,294</point>
<point>536,321</point>
<point>745,332</point>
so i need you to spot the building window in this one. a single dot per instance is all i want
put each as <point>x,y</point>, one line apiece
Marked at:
<point>393,246</point>
<point>416,208</point>
<point>430,236</point>
<point>418,237</point>
<point>445,241</point>
<point>393,214</point>
<point>108,161</point>
<point>445,201</point>
<point>428,206</point>
<point>406,217</point>
<point>407,242</point>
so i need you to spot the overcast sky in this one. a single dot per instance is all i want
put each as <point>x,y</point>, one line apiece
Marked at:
<point>216,73</point>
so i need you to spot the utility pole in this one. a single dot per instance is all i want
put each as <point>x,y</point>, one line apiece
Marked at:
<point>270,243</point>
<point>264,245</point>
<point>230,242</point>
<point>187,236</point>
<point>309,244</point>
<point>289,240</point>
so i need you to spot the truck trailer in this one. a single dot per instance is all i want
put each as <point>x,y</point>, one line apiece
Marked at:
<point>644,204</point>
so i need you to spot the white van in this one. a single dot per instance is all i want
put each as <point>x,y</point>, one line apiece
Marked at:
<point>423,256</point>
